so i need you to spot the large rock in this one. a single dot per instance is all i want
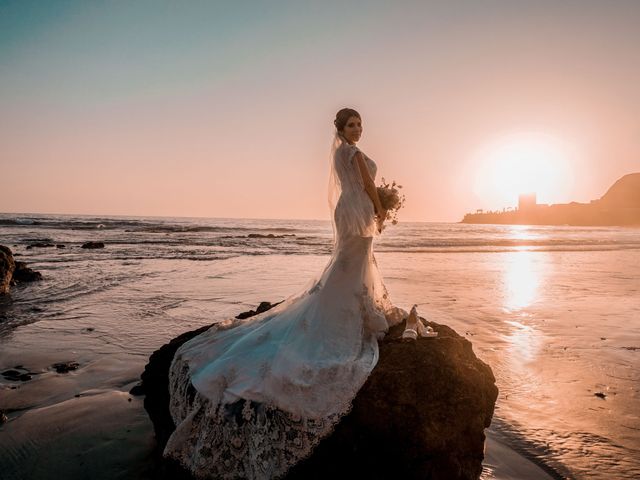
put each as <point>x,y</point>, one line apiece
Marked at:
<point>421,413</point>
<point>12,272</point>
<point>22,273</point>
<point>93,245</point>
<point>7,266</point>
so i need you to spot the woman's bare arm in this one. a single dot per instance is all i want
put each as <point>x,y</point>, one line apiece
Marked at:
<point>369,185</point>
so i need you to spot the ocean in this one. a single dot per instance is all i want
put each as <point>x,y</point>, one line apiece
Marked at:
<point>554,310</point>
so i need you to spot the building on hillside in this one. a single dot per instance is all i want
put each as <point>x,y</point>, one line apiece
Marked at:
<point>526,201</point>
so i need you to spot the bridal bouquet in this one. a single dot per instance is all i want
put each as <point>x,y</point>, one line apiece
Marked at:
<point>391,200</point>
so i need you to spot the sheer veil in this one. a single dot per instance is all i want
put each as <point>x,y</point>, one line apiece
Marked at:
<point>334,182</point>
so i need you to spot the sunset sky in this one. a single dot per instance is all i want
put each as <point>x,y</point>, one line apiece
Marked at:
<point>225,109</point>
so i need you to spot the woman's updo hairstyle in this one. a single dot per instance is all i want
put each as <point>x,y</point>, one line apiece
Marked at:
<point>343,116</point>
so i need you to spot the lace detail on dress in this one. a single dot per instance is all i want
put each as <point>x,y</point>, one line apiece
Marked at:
<point>354,214</point>
<point>248,439</point>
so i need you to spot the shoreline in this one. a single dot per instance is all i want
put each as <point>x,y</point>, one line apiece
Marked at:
<point>85,422</point>
<point>502,461</point>
<point>527,462</point>
<point>83,439</point>
<point>107,434</point>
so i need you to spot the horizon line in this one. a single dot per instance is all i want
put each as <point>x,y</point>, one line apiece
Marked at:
<point>199,216</point>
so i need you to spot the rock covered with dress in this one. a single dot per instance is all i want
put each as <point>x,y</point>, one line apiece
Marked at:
<point>253,397</point>
<point>420,414</point>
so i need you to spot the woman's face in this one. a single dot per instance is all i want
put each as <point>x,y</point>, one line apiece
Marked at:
<point>352,130</point>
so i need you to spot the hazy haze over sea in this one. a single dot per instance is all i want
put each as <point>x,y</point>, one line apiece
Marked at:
<point>555,312</point>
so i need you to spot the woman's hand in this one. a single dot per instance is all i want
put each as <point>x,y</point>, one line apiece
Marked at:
<point>381,216</point>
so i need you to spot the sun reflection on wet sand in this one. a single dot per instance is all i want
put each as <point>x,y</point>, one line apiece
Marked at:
<point>521,280</point>
<point>524,342</point>
<point>521,284</point>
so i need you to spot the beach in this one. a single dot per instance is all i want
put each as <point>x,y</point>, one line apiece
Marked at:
<point>555,312</point>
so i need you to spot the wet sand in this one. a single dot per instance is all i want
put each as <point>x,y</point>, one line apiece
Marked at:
<point>85,424</point>
<point>552,314</point>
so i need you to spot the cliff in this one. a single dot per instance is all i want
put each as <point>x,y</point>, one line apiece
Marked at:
<point>421,414</point>
<point>620,206</point>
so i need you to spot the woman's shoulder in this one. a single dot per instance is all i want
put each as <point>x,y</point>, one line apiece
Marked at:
<point>347,151</point>
<point>355,149</point>
<point>351,147</point>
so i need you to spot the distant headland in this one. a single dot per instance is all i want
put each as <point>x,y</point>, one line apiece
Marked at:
<point>620,206</point>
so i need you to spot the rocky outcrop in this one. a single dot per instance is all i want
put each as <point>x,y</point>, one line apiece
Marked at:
<point>93,245</point>
<point>270,235</point>
<point>263,307</point>
<point>23,273</point>
<point>624,193</point>
<point>40,245</point>
<point>18,374</point>
<point>65,367</point>
<point>421,414</point>
<point>12,272</point>
<point>7,266</point>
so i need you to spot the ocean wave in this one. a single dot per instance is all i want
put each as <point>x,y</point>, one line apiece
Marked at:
<point>607,244</point>
<point>142,226</point>
<point>243,236</point>
<point>210,229</point>
<point>497,249</point>
<point>18,221</point>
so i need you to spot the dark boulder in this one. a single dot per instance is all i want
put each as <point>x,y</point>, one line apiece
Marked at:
<point>12,272</point>
<point>93,245</point>
<point>155,385</point>
<point>11,374</point>
<point>40,245</point>
<point>421,413</point>
<point>23,273</point>
<point>263,307</point>
<point>137,390</point>
<point>261,235</point>
<point>7,266</point>
<point>18,374</point>
<point>65,367</point>
<point>268,235</point>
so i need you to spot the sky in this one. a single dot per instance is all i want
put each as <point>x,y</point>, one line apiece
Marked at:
<point>225,109</point>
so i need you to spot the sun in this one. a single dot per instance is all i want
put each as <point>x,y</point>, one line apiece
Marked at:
<point>518,163</point>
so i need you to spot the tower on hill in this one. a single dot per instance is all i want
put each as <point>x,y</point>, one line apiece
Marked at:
<point>526,201</point>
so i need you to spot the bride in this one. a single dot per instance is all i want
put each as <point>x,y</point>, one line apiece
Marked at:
<point>250,398</point>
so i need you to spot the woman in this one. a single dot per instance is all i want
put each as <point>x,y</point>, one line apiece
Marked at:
<point>250,398</point>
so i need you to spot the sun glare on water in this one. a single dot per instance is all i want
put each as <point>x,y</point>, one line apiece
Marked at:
<point>522,163</point>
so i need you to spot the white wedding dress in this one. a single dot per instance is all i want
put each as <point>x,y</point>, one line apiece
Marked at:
<point>251,398</point>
